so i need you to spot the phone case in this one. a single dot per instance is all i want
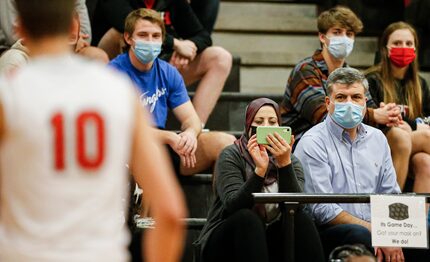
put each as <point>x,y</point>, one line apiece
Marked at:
<point>263,131</point>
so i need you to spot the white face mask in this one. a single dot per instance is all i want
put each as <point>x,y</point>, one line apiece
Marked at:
<point>340,46</point>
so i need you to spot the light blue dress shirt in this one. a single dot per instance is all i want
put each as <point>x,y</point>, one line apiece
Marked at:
<point>333,163</point>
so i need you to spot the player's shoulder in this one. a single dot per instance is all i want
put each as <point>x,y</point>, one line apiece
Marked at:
<point>103,78</point>
<point>3,80</point>
<point>98,71</point>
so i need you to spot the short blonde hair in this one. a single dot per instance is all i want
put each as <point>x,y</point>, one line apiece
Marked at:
<point>145,14</point>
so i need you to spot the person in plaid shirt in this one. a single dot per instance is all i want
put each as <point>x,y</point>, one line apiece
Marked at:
<point>303,104</point>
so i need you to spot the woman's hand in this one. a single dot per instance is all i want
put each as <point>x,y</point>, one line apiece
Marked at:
<point>280,149</point>
<point>259,155</point>
<point>387,114</point>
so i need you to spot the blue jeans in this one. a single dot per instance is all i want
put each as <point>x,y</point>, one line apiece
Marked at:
<point>345,234</point>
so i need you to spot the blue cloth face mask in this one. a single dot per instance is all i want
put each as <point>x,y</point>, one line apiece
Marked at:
<point>347,115</point>
<point>340,46</point>
<point>146,51</point>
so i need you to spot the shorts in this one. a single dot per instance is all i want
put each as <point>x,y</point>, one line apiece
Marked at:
<point>175,160</point>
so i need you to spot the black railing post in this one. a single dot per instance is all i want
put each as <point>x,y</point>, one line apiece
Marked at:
<point>290,209</point>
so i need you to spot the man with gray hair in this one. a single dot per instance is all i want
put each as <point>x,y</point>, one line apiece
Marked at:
<point>343,155</point>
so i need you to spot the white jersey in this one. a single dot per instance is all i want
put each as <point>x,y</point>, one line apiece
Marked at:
<point>63,180</point>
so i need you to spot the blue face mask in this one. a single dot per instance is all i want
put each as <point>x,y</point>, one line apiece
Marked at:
<point>146,51</point>
<point>340,46</point>
<point>347,115</point>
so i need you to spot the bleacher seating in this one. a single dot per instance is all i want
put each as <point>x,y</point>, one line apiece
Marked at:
<point>198,194</point>
<point>267,38</point>
<point>272,36</point>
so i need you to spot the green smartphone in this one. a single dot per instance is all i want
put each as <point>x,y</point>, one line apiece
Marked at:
<point>263,131</point>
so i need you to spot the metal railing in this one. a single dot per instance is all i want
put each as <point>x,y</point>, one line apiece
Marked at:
<point>293,200</point>
<point>303,198</point>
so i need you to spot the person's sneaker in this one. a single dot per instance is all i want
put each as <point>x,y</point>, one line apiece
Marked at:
<point>144,222</point>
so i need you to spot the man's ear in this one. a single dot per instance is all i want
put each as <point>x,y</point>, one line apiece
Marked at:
<point>127,39</point>
<point>322,39</point>
<point>327,102</point>
<point>19,29</point>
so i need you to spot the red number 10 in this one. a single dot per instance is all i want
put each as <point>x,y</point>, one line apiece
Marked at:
<point>84,160</point>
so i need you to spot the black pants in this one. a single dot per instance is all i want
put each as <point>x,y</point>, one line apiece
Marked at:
<point>244,237</point>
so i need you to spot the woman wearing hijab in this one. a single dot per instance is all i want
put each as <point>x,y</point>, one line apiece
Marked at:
<point>237,228</point>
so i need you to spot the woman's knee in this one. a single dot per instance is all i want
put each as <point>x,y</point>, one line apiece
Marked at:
<point>400,141</point>
<point>421,164</point>
<point>422,135</point>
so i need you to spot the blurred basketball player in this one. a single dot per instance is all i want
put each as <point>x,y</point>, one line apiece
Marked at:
<point>67,128</point>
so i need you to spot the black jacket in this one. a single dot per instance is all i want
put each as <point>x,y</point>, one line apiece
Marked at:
<point>234,193</point>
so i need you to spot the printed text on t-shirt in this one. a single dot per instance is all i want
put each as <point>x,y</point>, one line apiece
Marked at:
<point>152,100</point>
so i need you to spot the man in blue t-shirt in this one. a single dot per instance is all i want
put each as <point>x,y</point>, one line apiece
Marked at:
<point>162,88</point>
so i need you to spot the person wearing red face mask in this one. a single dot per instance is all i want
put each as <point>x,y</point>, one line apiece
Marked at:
<point>395,80</point>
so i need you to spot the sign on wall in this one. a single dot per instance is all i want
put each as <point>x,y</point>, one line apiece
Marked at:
<point>399,221</point>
